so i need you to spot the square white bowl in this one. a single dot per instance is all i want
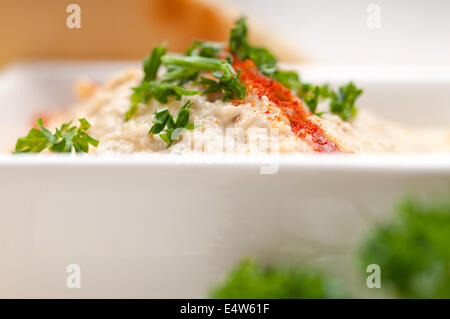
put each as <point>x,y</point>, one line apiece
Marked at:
<point>170,226</point>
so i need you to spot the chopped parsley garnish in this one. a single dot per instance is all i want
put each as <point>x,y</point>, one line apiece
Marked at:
<point>202,57</point>
<point>312,99</point>
<point>173,127</point>
<point>227,78</point>
<point>289,79</point>
<point>162,89</point>
<point>239,45</point>
<point>342,102</point>
<point>152,63</point>
<point>205,49</point>
<point>66,139</point>
<point>238,37</point>
<point>180,70</point>
<point>178,76</point>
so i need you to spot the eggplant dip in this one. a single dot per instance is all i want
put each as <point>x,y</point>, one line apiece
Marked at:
<point>221,97</point>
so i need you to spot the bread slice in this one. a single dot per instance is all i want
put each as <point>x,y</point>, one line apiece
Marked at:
<point>114,29</point>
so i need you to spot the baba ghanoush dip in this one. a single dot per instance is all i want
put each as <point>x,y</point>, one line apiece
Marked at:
<point>221,97</point>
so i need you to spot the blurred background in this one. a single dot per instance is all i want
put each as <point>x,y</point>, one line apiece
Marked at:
<point>355,32</point>
<point>320,31</point>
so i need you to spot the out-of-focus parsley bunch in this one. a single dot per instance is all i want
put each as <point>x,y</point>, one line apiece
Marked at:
<point>413,252</point>
<point>250,280</point>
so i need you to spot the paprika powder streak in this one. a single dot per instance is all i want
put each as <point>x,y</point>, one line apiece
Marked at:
<point>290,105</point>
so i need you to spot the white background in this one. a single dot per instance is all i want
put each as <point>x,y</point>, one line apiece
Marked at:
<point>335,32</point>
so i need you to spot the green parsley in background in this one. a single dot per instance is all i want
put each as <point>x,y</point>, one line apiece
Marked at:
<point>413,250</point>
<point>251,280</point>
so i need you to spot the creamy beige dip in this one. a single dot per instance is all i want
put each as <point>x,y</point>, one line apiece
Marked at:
<point>226,127</point>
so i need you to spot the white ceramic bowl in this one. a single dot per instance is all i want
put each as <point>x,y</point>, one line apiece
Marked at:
<point>170,226</point>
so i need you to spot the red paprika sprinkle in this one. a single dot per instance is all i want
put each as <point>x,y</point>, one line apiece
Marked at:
<point>290,105</point>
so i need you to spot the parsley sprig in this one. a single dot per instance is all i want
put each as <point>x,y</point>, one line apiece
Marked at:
<point>252,279</point>
<point>342,102</point>
<point>152,63</point>
<point>240,46</point>
<point>227,79</point>
<point>412,249</point>
<point>201,57</point>
<point>65,139</point>
<point>205,49</point>
<point>160,90</point>
<point>164,121</point>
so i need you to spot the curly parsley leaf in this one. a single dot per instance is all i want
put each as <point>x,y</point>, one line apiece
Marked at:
<point>265,61</point>
<point>343,102</point>
<point>251,280</point>
<point>163,120</point>
<point>413,250</point>
<point>196,63</point>
<point>227,78</point>
<point>151,66</point>
<point>312,99</point>
<point>308,93</point>
<point>229,88</point>
<point>34,142</point>
<point>153,62</point>
<point>169,85</point>
<point>239,45</point>
<point>238,37</point>
<point>205,49</point>
<point>289,79</point>
<point>178,75</point>
<point>66,139</point>
<point>158,91</point>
